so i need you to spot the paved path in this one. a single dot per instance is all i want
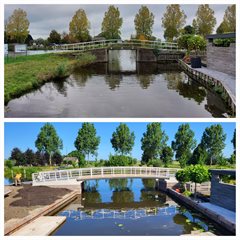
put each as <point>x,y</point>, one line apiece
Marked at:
<point>229,81</point>
<point>227,214</point>
<point>42,226</point>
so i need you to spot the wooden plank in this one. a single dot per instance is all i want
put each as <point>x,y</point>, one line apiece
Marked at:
<point>7,192</point>
<point>42,226</point>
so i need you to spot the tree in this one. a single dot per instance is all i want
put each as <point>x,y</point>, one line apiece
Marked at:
<point>205,21</point>
<point>9,164</point>
<point>29,40</point>
<point>54,37</point>
<point>188,30</point>
<point>17,26</point>
<point>167,155</point>
<point>57,158</point>
<point>122,139</point>
<point>112,23</point>
<point>48,141</point>
<point>234,141</point>
<point>29,157</point>
<point>184,144</point>
<point>229,20</point>
<point>144,21</point>
<point>172,21</point>
<point>79,26</point>
<point>213,142</point>
<point>199,156</point>
<point>153,142</point>
<point>87,142</point>
<point>183,177</point>
<point>232,159</point>
<point>198,174</point>
<point>17,155</point>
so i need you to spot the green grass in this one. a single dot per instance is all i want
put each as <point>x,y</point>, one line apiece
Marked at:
<point>25,171</point>
<point>24,73</point>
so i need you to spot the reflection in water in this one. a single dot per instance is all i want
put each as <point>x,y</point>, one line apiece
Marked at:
<point>121,88</point>
<point>129,207</point>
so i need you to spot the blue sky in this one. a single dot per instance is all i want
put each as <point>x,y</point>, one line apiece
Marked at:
<point>23,135</point>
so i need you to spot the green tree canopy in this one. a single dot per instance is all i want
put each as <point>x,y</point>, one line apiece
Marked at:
<point>122,139</point>
<point>112,22</point>
<point>17,26</point>
<point>205,21</point>
<point>184,144</point>
<point>213,141</point>
<point>167,155</point>
<point>54,37</point>
<point>79,26</point>
<point>153,142</point>
<point>17,155</point>
<point>144,21</point>
<point>173,21</point>
<point>229,20</point>
<point>48,141</point>
<point>199,156</point>
<point>87,141</point>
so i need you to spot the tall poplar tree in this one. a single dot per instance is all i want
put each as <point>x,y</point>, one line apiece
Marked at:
<point>17,26</point>
<point>184,144</point>
<point>112,22</point>
<point>79,26</point>
<point>144,21</point>
<point>173,21</point>
<point>204,22</point>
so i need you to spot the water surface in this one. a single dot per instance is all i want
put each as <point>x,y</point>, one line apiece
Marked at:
<point>120,88</point>
<point>129,207</point>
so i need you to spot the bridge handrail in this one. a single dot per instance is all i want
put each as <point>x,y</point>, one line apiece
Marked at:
<point>79,173</point>
<point>110,42</point>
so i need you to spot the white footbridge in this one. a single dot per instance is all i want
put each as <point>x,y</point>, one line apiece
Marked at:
<point>76,176</point>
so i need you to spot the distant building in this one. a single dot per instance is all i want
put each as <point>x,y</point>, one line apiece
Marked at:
<point>71,159</point>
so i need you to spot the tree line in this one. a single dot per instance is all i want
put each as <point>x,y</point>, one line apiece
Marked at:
<point>173,23</point>
<point>156,152</point>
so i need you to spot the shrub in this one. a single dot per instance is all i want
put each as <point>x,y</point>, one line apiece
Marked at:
<point>154,163</point>
<point>223,42</point>
<point>9,164</point>
<point>61,70</point>
<point>120,160</point>
<point>196,43</point>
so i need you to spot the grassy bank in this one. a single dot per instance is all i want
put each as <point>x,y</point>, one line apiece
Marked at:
<point>24,73</point>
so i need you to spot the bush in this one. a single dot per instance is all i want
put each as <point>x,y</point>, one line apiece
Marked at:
<point>196,43</point>
<point>9,164</point>
<point>61,70</point>
<point>154,163</point>
<point>84,59</point>
<point>187,193</point>
<point>116,160</point>
<point>183,41</point>
<point>223,42</point>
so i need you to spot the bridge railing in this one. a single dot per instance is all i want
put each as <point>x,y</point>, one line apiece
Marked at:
<point>116,42</point>
<point>102,172</point>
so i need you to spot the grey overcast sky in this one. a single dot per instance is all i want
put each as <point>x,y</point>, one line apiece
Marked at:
<point>44,18</point>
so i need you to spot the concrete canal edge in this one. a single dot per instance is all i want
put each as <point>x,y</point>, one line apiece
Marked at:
<point>220,220</point>
<point>209,80</point>
<point>42,226</point>
<point>10,228</point>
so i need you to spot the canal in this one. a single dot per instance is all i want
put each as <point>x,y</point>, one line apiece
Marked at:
<point>129,207</point>
<point>120,88</point>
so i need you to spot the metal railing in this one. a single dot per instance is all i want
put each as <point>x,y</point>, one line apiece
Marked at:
<point>102,172</point>
<point>83,46</point>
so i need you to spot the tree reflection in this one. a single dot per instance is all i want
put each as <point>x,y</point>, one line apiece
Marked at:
<point>113,81</point>
<point>91,193</point>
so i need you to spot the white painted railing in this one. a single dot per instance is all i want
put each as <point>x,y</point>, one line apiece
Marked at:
<point>83,46</point>
<point>102,172</point>
<point>119,214</point>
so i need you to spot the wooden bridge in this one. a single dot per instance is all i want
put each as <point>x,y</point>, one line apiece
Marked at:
<point>76,176</point>
<point>119,44</point>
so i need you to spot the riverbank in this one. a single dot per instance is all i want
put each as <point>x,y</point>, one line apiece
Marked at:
<point>25,73</point>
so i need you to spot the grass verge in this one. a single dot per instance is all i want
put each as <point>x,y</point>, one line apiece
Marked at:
<point>25,73</point>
